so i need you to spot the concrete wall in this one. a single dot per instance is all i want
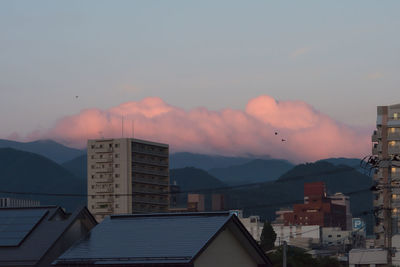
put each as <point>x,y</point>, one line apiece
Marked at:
<point>225,251</point>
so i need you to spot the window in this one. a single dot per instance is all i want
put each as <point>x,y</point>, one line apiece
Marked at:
<point>92,146</point>
<point>109,145</point>
<point>101,146</point>
<point>116,205</point>
<point>92,156</point>
<point>116,145</point>
<point>92,176</point>
<point>116,175</point>
<point>339,236</point>
<point>92,197</point>
<point>329,235</point>
<point>116,155</point>
<point>116,185</point>
<point>116,165</point>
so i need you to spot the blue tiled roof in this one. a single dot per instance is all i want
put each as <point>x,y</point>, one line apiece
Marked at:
<point>172,238</point>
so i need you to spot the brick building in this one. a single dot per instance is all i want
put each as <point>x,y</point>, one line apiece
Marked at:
<point>317,209</point>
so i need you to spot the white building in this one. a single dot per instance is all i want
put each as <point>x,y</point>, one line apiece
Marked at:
<point>300,235</point>
<point>252,224</point>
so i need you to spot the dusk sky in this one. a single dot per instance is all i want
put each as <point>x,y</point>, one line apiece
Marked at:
<point>214,77</point>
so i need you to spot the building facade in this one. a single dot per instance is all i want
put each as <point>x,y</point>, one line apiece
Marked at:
<point>318,209</point>
<point>127,175</point>
<point>386,143</point>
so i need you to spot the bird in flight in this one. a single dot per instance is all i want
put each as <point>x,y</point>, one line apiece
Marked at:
<point>76,97</point>
<point>283,140</point>
<point>276,133</point>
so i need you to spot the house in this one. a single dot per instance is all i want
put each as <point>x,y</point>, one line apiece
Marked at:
<point>167,239</point>
<point>36,236</point>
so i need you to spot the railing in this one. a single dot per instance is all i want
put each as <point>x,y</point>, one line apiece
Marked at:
<point>152,162</point>
<point>150,201</point>
<point>149,191</point>
<point>146,171</point>
<point>393,150</point>
<point>150,152</point>
<point>394,136</point>
<point>103,150</point>
<point>148,181</point>
<point>104,180</point>
<point>104,190</point>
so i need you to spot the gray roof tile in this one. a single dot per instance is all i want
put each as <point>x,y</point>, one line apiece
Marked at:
<point>147,238</point>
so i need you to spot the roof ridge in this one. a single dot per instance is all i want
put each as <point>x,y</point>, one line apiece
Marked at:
<point>171,214</point>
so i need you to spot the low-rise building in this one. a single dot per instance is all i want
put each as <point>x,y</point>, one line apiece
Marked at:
<point>36,236</point>
<point>304,236</point>
<point>169,239</point>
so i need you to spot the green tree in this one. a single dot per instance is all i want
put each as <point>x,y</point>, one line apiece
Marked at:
<point>268,237</point>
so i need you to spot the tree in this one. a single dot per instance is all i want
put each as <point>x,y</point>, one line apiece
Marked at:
<point>268,237</point>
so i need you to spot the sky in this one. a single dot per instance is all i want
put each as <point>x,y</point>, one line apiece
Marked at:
<point>332,60</point>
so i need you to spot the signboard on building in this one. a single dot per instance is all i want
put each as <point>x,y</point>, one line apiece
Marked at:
<point>358,225</point>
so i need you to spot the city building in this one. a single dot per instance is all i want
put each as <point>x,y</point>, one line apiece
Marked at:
<point>341,199</point>
<point>36,236</point>
<point>318,209</point>
<point>127,175</point>
<point>218,202</point>
<point>374,257</point>
<point>386,143</point>
<point>9,202</point>
<point>167,239</point>
<point>195,202</point>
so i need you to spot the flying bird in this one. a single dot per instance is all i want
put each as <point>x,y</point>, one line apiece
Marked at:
<point>283,140</point>
<point>76,97</point>
<point>276,133</point>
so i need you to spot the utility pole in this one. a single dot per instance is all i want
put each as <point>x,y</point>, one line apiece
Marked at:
<point>284,253</point>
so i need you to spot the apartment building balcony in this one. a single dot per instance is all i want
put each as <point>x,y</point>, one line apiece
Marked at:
<point>108,179</point>
<point>108,158</point>
<point>376,149</point>
<point>150,201</point>
<point>376,136</point>
<point>150,152</point>
<point>106,210</point>
<point>104,170</point>
<point>393,136</point>
<point>147,171</point>
<point>150,181</point>
<point>149,191</point>
<point>151,162</point>
<point>103,150</point>
<point>394,150</point>
<point>104,190</point>
<point>395,175</point>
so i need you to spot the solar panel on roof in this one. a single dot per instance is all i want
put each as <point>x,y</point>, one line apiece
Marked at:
<point>15,225</point>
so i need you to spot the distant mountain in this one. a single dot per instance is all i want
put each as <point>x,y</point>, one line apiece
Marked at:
<point>191,178</point>
<point>27,172</point>
<point>351,162</point>
<point>205,162</point>
<point>265,199</point>
<point>254,171</point>
<point>47,148</point>
<point>78,166</point>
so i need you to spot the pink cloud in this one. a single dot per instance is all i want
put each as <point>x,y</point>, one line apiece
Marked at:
<point>310,135</point>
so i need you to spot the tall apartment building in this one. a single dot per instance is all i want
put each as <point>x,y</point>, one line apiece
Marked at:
<point>127,175</point>
<point>386,143</point>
